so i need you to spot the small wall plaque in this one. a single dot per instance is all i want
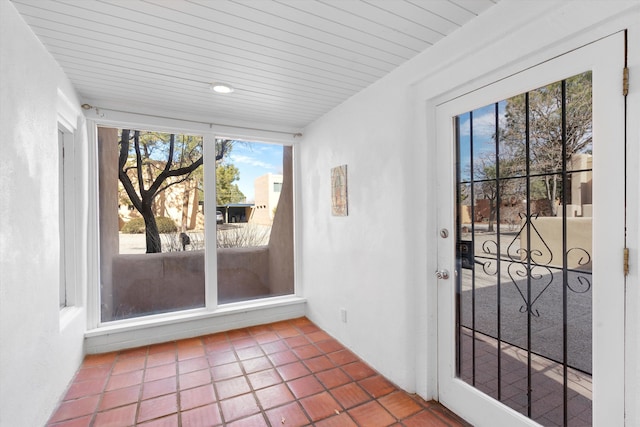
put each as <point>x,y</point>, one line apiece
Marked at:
<point>339,205</point>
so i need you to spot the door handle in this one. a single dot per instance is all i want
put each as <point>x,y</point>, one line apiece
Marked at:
<point>442,274</point>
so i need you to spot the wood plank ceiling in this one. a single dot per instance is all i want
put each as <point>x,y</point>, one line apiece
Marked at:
<point>290,61</point>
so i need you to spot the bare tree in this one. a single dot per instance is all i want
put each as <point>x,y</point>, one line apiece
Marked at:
<point>154,163</point>
<point>497,192</point>
<point>546,131</point>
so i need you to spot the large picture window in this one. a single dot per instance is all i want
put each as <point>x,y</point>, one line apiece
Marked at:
<point>154,222</point>
<point>255,240</point>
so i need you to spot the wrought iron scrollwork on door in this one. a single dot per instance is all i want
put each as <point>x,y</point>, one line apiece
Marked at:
<point>525,265</point>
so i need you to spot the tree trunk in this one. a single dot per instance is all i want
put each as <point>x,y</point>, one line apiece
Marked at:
<point>185,206</point>
<point>154,245</point>
<point>554,206</point>
<point>551,185</point>
<point>194,209</point>
<point>492,213</point>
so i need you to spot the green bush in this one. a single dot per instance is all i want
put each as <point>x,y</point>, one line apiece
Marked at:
<point>166,225</point>
<point>136,226</point>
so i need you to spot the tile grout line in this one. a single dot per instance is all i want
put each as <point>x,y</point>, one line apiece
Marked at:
<point>178,388</point>
<point>301,346</point>
<point>94,415</point>
<point>141,391</point>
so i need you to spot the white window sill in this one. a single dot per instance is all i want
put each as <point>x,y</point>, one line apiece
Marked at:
<point>155,329</point>
<point>67,315</point>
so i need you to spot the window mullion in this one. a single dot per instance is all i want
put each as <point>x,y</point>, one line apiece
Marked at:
<point>210,205</point>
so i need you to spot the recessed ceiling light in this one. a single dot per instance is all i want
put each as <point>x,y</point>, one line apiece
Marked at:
<point>221,88</point>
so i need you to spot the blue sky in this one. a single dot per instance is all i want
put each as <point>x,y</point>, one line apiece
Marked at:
<point>255,159</point>
<point>484,123</point>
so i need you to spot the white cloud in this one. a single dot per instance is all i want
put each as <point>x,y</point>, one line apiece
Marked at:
<point>484,126</point>
<point>484,121</point>
<point>251,161</point>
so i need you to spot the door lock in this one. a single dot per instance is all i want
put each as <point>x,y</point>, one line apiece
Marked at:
<point>442,274</point>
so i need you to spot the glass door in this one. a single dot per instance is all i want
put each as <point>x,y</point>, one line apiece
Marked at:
<point>529,210</point>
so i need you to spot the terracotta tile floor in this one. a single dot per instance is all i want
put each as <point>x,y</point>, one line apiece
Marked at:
<point>287,374</point>
<point>546,382</point>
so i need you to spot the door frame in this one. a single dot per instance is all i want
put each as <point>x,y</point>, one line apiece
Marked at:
<point>608,335</point>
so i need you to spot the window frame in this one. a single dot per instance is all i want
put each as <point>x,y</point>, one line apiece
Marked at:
<point>97,330</point>
<point>67,135</point>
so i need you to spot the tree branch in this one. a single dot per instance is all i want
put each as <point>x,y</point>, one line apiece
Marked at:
<point>176,172</point>
<point>130,189</point>
<point>122,172</point>
<point>124,149</point>
<point>136,145</point>
<point>223,149</point>
<point>186,177</point>
<point>172,143</point>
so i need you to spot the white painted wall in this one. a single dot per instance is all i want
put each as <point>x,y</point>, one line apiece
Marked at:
<point>378,262</point>
<point>39,349</point>
<point>364,262</point>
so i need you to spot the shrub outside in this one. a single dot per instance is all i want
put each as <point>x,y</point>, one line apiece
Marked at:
<point>136,226</point>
